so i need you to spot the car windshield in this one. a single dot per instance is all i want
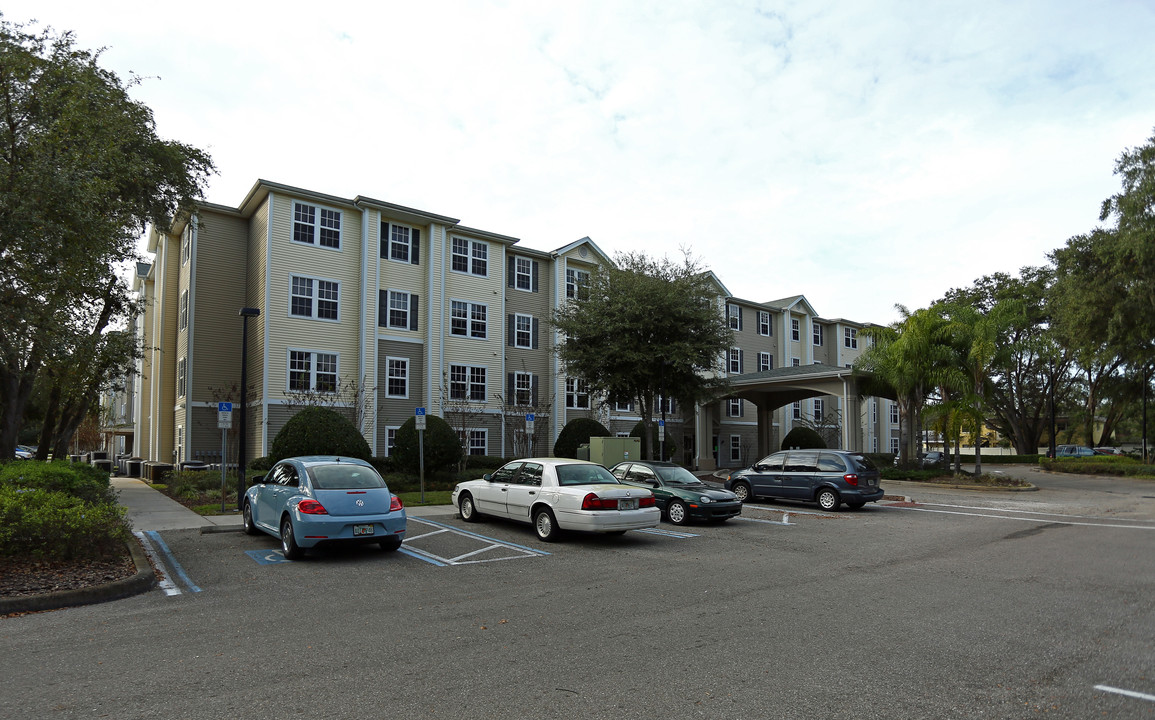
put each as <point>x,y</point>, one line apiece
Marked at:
<point>677,476</point>
<point>584,475</point>
<point>345,477</point>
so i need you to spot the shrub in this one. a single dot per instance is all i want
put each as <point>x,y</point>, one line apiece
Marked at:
<point>577,432</point>
<point>86,482</point>
<point>58,526</point>
<point>319,431</point>
<point>195,483</point>
<point>442,447</point>
<point>803,438</point>
<point>671,447</point>
<point>263,464</point>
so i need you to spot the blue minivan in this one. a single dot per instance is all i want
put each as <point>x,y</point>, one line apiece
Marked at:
<point>827,477</point>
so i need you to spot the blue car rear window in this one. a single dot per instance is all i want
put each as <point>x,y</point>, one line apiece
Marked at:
<point>345,477</point>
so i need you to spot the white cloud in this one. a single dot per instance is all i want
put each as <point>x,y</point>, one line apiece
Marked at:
<point>863,154</point>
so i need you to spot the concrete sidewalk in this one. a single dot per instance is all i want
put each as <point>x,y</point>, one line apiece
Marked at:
<point>150,509</point>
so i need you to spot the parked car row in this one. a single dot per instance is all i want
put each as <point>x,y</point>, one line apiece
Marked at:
<point>318,501</point>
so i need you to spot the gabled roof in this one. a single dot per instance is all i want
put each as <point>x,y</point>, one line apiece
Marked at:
<point>722,289</point>
<point>791,303</point>
<point>584,241</point>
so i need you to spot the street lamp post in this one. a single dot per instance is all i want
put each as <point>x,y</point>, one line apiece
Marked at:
<point>245,313</point>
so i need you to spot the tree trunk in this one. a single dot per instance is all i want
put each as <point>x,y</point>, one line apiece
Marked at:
<point>48,429</point>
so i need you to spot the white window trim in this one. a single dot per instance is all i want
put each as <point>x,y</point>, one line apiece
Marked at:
<point>388,359</point>
<point>518,375</point>
<point>736,448</point>
<point>518,274</point>
<point>394,428</point>
<point>573,394</point>
<point>768,364</point>
<point>484,432</point>
<point>408,243</point>
<point>816,331</point>
<point>469,382</point>
<point>316,226</point>
<point>795,329</point>
<point>389,293</point>
<point>764,322</point>
<point>731,405</point>
<point>471,245</point>
<point>469,306</point>
<point>315,297</point>
<point>517,333</point>
<point>312,369</point>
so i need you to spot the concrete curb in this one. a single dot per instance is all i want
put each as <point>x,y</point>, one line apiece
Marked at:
<point>143,581</point>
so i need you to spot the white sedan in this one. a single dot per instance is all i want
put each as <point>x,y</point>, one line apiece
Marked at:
<point>556,494</point>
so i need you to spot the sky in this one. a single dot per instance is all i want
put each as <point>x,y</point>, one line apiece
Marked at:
<point>864,153</point>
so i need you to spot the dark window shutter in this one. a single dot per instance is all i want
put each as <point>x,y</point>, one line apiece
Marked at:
<point>415,247</point>
<point>413,312</point>
<point>533,343</point>
<point>511,390</point>
<point>382,308</point>
<point>533,390</point>
<point>741,361</point>
<point>739,319</point>
<point>511,330</point>
<point>533,281</point>
<point>384,239</point>
<point>510,271</point>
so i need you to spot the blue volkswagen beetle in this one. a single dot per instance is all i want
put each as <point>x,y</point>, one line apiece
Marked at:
<point>324,500</point>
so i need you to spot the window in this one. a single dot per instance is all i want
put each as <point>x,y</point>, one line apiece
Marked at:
<point>894,445</point>
<point>185,247</point>
<point>734,314</point>
<point>470,256</point>
<point>735,408</point>
<point>182,321</point>
<point>522,274</point>
<point>467,319</point>
<point>397,310</point>
<point>817,333</point>
<point>819,409</point>
<point>663,405</point>
<point>795,362</point>
<point>302,292</point>
<point>523,331</point>
<point>397,377</point>
<point>312,371</point>
<point>795,328</point>
<point>576,283</point>
<point>478,442</point>
<point>796,411</point>
<point>390,440</point>
<point>467,382</point>
<point>576,395</point>
<point>735,361</point>
<point>182,377</point>
<point>765,361</point>
<point>400,243</point>
<point>522,388</point>
<point>893,413</point>
<point>736,448</point>
<point>623,406</point>
<point>850,338</point>
<point>314,225</point>
<point>764,326</point>
<point>874,411</point>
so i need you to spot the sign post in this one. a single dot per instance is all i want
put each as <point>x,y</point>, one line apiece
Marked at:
<point>225,423</point>
<point>419,421</point>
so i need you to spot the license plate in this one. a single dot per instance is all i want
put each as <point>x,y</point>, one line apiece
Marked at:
<point>630,504</point>
<point>363,530</point>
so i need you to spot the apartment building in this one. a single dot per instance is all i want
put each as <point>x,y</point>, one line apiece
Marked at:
<point>383,309</point>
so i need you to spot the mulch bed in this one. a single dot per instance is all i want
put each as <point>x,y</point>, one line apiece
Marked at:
<point>26,576</point>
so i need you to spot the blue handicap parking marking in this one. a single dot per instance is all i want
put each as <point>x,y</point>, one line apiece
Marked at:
<point>267,557</point>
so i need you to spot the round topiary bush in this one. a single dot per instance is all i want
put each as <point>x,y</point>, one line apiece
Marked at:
<point>442,446</point>
<point>577,432</point>
<point>318,431</point>
<point>803,438</point>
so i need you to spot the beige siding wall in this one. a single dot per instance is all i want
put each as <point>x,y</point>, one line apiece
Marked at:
<point>221,263</point>
<point>257,435</point>
<point>393,411</point>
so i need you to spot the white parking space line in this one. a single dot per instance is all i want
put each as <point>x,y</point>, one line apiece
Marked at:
<point>1128,693</point>
<point>667,533</point>
<point>1028,512</point>
<point>519,552</point>
<point>784,521</point>
<point>165,584</point>
<point>1051,519</point>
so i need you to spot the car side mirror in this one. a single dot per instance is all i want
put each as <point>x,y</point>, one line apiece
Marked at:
<point>760,468</point>
<point>655,483</point>
<point>488,477</point>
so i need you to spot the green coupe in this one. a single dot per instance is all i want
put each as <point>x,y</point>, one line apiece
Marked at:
<point>681,496</point>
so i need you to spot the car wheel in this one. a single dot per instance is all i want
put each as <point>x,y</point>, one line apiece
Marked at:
<point>289,547</point>
<point>828,499</point>
<point>742,490</point>
<point>545,525</point>
<point>855,505</point>
<point>391,543</point>
<point>467,509</point>
<point>247,519</point>
<point>676,512</point>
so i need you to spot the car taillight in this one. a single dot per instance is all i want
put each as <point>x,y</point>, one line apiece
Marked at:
<point>650,501</point>
<point>311,507</point>
<point>593,502</point>
<point>850,478</point>
<point>395,503</point>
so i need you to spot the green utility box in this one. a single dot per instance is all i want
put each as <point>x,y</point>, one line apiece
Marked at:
<point>610,451</point>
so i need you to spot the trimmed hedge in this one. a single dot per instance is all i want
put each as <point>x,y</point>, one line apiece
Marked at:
<point>79,480</point>
<point>1121,466</point>
<point>319,431</point>
<point>442,447</point>
<point>803,438</point>
<point>577,432</point>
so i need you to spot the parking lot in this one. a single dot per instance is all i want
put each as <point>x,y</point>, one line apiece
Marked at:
<point>951,606</point>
